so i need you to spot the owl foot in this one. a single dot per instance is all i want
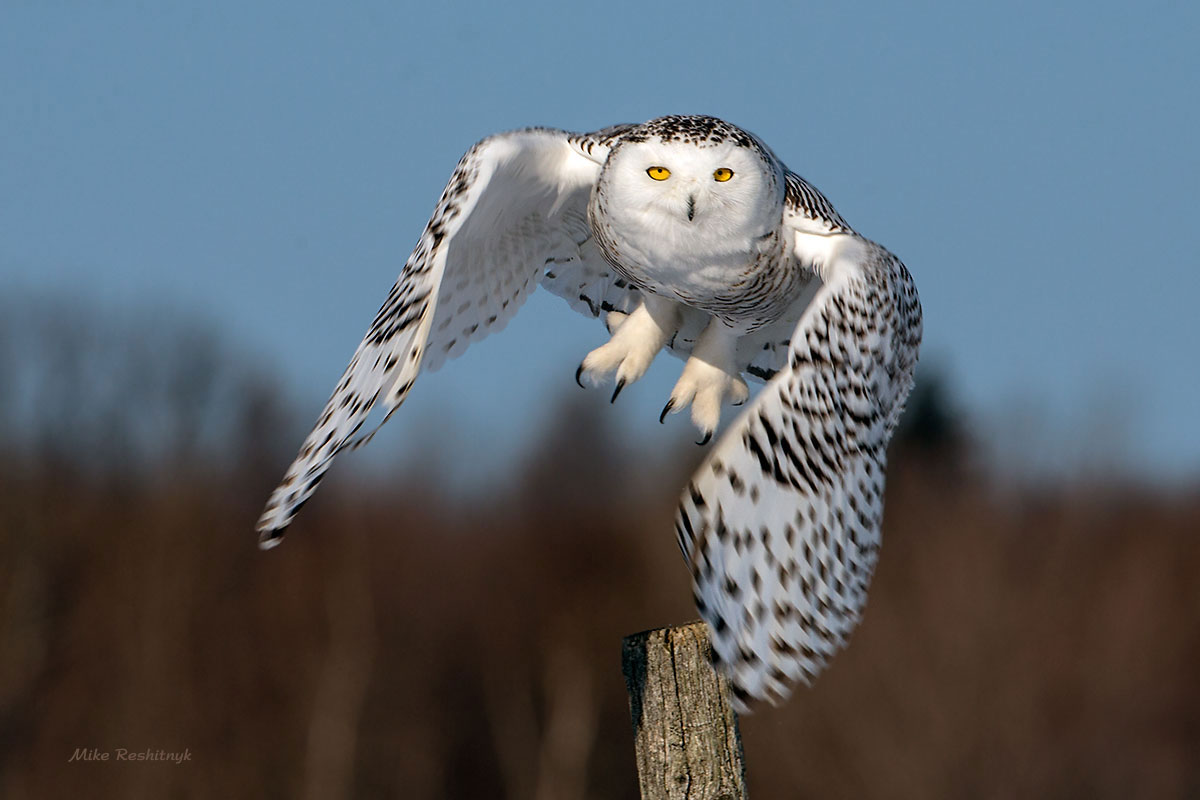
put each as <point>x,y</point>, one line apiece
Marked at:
<point>706,388</point>
<point>710,379</point>
<point>636,340</point>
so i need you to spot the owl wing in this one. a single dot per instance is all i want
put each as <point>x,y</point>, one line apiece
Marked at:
<point>781,523</point>
<point>514,213</point>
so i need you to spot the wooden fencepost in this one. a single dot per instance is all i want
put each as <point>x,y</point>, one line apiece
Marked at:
<point>686,733</point>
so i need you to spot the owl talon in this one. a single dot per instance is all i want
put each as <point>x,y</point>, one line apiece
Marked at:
<point>667,409</point>
<point>707,437</point>
<point>617,391</point>
<point>578,375</point>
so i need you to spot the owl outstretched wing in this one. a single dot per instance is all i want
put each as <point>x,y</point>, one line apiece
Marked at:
<point>781,523</point>
<point>514,213</point>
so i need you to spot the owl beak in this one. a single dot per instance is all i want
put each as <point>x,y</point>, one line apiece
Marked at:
<point>691,207</point>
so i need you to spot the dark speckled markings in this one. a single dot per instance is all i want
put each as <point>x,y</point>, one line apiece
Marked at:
<point>601,140</point>
<point>388,359</point>
<point>697,130</point>
<point>782,591</point>
<point>781,524</point>
<point>375,365</point>
<point>803,198</point>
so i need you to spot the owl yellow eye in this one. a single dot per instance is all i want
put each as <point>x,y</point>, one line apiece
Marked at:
<point>723,174</point>
<point>659,173</point>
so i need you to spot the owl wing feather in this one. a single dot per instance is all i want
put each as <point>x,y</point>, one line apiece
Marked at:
<point>513,212</point>
<point>781,523</point>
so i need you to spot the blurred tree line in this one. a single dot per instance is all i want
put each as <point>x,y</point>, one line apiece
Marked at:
<point>1019,642</point>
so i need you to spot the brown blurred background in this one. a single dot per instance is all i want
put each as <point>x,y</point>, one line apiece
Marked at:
<point>1022,639</point>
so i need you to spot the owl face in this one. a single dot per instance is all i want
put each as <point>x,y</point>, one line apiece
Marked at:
<point>687,189</point>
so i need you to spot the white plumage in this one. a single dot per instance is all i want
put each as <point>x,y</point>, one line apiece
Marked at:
<point>689,234</point>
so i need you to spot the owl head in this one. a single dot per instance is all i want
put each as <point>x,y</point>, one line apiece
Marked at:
<point>693,176</point>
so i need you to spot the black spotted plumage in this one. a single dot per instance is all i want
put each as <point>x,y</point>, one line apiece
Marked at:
<point>781,524</point>
<point>814,445</point>
<point>694,129</point>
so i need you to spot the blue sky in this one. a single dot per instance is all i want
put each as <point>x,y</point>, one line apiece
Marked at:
<point>267,167</point>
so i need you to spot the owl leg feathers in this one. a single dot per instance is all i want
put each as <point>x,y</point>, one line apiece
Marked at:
<point>636,339</point>
<point>710,379</point>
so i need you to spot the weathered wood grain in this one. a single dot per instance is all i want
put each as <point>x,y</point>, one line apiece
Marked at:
<point>686,734</point>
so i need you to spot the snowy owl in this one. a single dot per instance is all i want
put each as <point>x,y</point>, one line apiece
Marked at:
<point>687,233</point>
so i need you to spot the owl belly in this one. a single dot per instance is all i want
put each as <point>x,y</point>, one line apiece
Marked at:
<point>745,286</point>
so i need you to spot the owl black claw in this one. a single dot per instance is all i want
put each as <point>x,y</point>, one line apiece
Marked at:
<point>617,391</point>
<point>578,373</point>
<point>704,441</point>
<point>667,409</point>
